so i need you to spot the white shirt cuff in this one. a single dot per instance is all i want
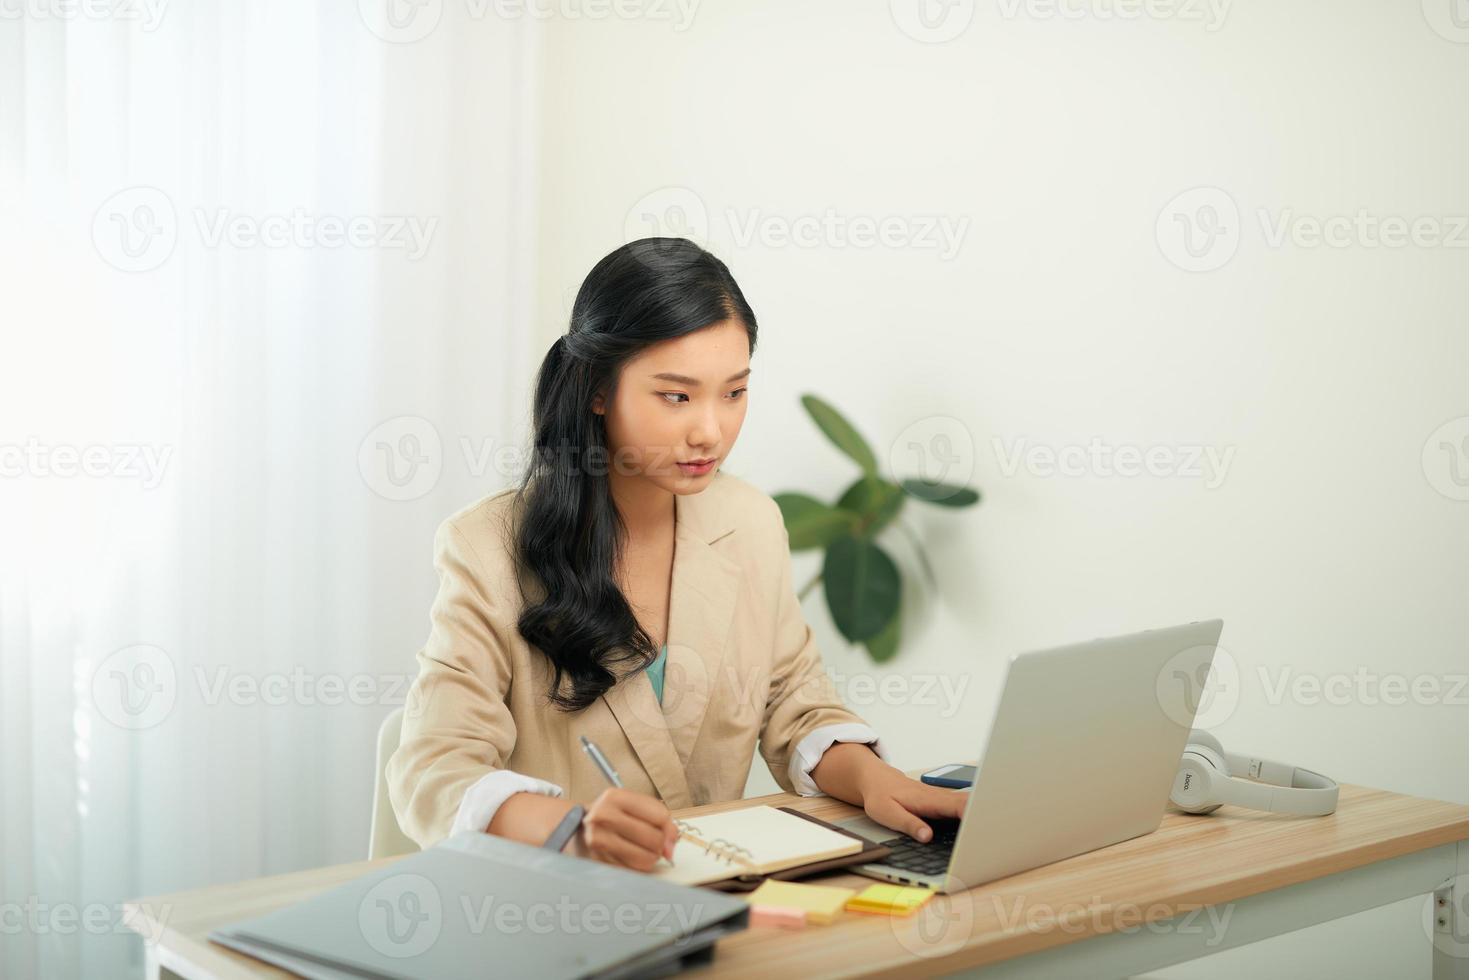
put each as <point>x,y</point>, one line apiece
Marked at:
<point>811,748</point>
<point>482,799</point>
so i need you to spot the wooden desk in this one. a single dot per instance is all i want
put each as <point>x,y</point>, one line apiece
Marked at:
<point>1197,886</point>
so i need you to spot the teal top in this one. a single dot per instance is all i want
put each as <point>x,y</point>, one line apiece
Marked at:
<point>655,672</point>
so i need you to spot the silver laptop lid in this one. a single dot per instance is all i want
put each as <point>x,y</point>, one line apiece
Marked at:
<point>1082,749</point>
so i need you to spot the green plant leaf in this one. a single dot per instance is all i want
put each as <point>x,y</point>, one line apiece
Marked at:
<point>943,494</point>
<point>884,646</point>
<point>863,587</point>
<point>811,523</point>
<point>875,501</point>
<point>841,433</point>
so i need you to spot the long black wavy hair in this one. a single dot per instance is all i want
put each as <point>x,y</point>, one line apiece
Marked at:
<point>570,533</point>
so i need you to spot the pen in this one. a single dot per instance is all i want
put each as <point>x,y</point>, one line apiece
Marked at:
<point>590,748</point>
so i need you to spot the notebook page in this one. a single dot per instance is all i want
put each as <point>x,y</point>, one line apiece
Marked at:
<point>776,840</point>
<point>693,867</point>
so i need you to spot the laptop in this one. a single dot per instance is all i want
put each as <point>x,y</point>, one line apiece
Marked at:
<point>478,905</point>
<point>1081,753</point>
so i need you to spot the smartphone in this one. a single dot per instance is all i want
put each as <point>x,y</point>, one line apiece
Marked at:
<point>951,777</point>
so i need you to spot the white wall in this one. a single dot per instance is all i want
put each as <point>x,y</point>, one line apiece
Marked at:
<point>1327,545</point>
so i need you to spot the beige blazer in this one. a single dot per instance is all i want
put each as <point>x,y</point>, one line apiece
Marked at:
<point>743,669</point>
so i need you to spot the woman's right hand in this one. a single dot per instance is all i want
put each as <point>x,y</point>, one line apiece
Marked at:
<point>627,829</point>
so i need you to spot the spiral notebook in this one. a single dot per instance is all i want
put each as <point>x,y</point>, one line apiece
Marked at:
<point>759,840</point>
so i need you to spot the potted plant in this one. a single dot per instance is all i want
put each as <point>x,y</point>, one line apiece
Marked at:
<point>863,586</point>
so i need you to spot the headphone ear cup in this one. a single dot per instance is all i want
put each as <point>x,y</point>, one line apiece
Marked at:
<point>1195,787</point>
<point>1198,736</point>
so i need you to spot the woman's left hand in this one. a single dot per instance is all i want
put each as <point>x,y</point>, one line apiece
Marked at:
<point>897,801</point>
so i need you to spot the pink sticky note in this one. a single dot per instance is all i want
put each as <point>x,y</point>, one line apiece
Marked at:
<point>774,915</point>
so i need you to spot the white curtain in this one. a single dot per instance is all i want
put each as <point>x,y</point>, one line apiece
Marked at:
<point>266,320</point>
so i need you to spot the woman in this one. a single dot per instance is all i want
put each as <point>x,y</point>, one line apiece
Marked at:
<point>630,592</point>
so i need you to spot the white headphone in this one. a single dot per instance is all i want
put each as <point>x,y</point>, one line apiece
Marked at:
<point>1206,780</point>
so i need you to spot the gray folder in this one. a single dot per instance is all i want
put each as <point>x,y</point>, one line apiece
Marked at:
<point>482,906</point>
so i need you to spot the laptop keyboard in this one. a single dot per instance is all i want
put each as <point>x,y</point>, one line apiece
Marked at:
<point>925,859</point>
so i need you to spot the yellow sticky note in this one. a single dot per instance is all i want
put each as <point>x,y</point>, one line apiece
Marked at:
<point>889,899</point>
<point>821,903</point>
